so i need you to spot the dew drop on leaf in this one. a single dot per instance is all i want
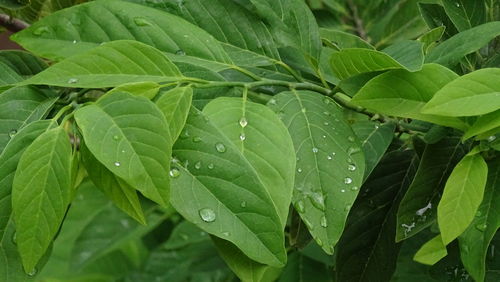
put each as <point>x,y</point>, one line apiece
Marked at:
<point>300,207</point>
<point>354,188</point>
<point>141,22</point>
<point>196,139</point>
<point>12,133</point>
<point>347,208</point>
<point>481,227</point>
<point>309,225</point>
<point>327,113</point>
<point>116,137</point>
<point>325,123</point>
<point>352,151</point>
<point>211,166</point>
<point>185,134</point>
<point>351,139</point>
<point>243,122</point>
<point>180,52</point>
<point>324,136</point>
<point>492,138</point>
<point>351,167</point>
<point>323,222</point>
<point>272,102</point>
<point>303,110</point>
<point>174,173</point>
<point>220,147</point>
<point>319,242</point>
<point>41,30</point>
<point>329,157</point>
<point>243,204</point>
<point>326,101</point>
<point>197,165</point>
<point>299,170</point>
<point>342,190</point>
<point>243,137</point>
<point>317,200</point>
<point>72,80</point>
<point>32,273</point>
<point>347,180</point>
<point>14,238</point>
<point>226,234</point>
<point>118,164</point>
<point>315,150</point>
<point>207,215</point>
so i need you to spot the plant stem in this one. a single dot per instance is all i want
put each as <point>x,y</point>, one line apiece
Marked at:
<point>12,24</point>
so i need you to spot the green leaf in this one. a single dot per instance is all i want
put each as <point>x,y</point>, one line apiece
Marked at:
<point>114,20</point>
<point>475,93</point>
<point>110,230</point>
<point>462,196</point>
<point>130,137</point>
<point>431,37</point>
<point>431,252</point>
<point>353,61</point>
<point>18,107</point>
<point>12,269</point>
<point>375,139</point>
<point>23,63</point>
<point>13,4</point>
<point>418,209</point>
<point>367,248</point>
<point>245,268</point>
<point>330,164</point>
<point>41,194</point>
<point>238,166</point>
<point>435,16</point>
<point>122,194</point>
<point>175,105</point>
<point>465,14</point>
<point>109,65</point>
<point>477,237</point>
<point>9,160</point>
<point>146,89</point>
<point>301,268</point>
<point>452,50</point>
<point>343,39</point>
<point>483,124</point>
<point>402,93</point>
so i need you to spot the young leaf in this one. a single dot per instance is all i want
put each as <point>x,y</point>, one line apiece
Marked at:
<point>418,209</point>
<point>12,269</point>
<point>9,160</point>
<point>375,139</point>
<point>343,39</point>
<point>462,196</point>
<point>9,76</point>
<point>367,248</point>
<point>18,107</point>
<point>435,16</point>
<point>146,89</point>
<point>473,94</point>
<point>245,268</point>
<point>403,93</point>
<point>122,194</point>
<point>330,164</point>
<point>175,105</point>
<point>475,240</point>
<point>431,37</point>
<point>465,14</point>
<point>130,137</point>
<point>41,194</point>
<point>353,61</point>
<point>238,167</point>
<point>483,124</point>
<point>431,252</point>
<point>115,20</point>
<point>452,50</point>
<point>110,65</point>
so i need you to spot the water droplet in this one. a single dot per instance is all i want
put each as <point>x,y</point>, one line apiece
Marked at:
<point>324,136</point>
<point>327,113</point>
<point>12,133</point>
<point>479,213</point>
<point>174,173</point>
<point>342,190</point>
<point>300,207</point>
<point>303,110</point>
<point>351,139</point>
<point>315,150</point>
<point>421,211</point>
<point>492,138</point>
<point>325,123</point>
<point>41,30</point>
<point>211,166</point>
<point>180,52</point>
<point>377,126</point>
<point>118,164</point>
<point>354,188</point>
<point>326,101</point>
<point>226,234</point>
<point>243,122</point>
<point>14,238</point>
<point>323,222</point>
<point>243,204</point>
<point>299,170</point>
<point>317,200</point>
<point>185,134</point>
<point>329,157</point>
<point>272,102</point>
<point>351,167</point>
<point>319,242</point>
<point>347,180</point>
<point>457,4</point>
<point>347,208</point>
<point>72,80</point>
<point>207,215</point>
<point>481,227</point>
<point>352,151</point>
<point>141,21</point>
<point>407,227</point>
<point>220,147</point>
<point>196,139</point>
<point>32,273</point>
<point>116,137</point>
<point>309,225</point>
<point>197,165</point>
<point>243,137</point>
<point>74,41</point>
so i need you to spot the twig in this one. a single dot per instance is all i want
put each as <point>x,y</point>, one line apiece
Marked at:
<point>357,20</point>
<point>12,24</point>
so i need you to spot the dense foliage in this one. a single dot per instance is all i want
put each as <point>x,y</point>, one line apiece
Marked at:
<point>260,140</point>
